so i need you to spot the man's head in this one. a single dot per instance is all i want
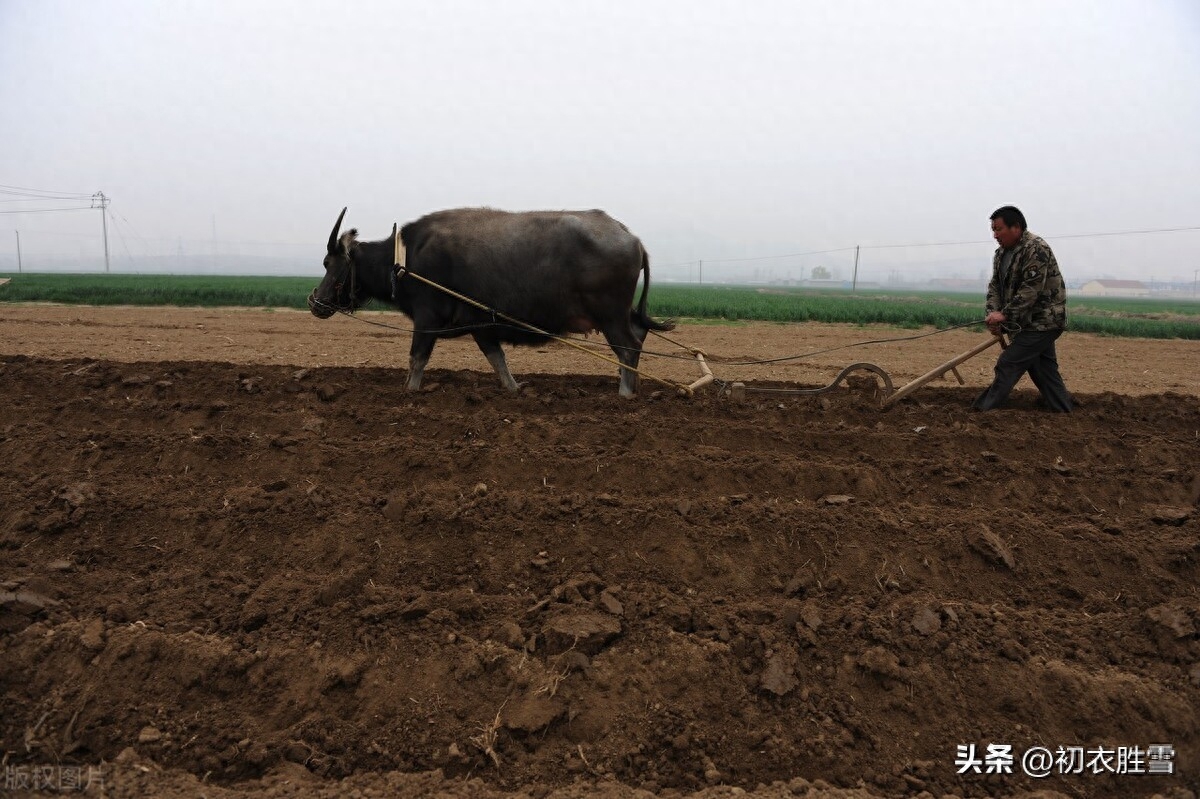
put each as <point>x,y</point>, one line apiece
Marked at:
<point>1008,223</point>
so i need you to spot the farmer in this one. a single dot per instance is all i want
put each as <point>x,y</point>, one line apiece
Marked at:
<point>1027,298</point>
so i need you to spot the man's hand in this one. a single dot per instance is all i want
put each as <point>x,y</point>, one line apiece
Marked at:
<point>994,321</point>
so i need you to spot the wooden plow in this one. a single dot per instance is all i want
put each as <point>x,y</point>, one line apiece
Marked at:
<point>949,366</point>
<point>737,391</point>
<point>706,376</point>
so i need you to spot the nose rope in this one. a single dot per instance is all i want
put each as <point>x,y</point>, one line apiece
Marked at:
<point>337,290</point>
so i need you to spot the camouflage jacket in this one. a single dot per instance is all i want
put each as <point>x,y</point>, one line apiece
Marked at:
<point>1032,294</point>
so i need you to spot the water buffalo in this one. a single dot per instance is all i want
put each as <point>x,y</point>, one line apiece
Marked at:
<point>561,271</point>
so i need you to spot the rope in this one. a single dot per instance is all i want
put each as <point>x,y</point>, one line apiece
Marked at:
<point>669,340</point>
<point>1009,327</point>
<point>538,330</point>
<point>436,332</point>
<point>849,346</point>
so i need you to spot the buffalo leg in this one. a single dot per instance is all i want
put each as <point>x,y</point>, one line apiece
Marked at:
<point>640,331</point>
<point>418,356</point>
<point>628,348</point>
<point>495,355</point>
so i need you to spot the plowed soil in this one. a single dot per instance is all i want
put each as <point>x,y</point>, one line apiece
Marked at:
<point>238,559</point>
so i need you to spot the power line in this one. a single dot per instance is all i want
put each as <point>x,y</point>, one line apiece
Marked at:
<point>771,257</point>
<point>98,200</point>
<point>50,195</point>
<point>121,236</point>
<point>50,210</point>
<point>43,193</point>
<point>132,230</point>
<point>1125,232</point>
<point>917,244</point>
<point>43,199</point>
<point>64,234</point>
<point>1048,236</point>
<point>754,258</point>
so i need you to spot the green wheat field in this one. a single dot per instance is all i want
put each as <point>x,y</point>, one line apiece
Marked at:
<point>1137,318</point>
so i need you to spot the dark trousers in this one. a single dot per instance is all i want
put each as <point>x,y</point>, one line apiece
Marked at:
<point>1030,351</point>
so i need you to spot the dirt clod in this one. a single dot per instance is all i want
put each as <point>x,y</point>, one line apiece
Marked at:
<point>926,621</point>
<point>1163,514</point>
<point>149,735</point>
<point>779,677</point>
<point>587,632</point>
<point>992,547</point>
<point>531,714</point>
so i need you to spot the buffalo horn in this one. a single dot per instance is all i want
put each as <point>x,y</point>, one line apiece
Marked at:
<point>334,235</point>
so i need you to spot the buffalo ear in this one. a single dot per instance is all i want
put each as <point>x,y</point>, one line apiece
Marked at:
<point>347,243</point>
<point>333,237</point>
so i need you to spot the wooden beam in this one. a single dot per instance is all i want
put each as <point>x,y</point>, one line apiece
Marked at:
<point>934,374</point>
<point>703,381</point>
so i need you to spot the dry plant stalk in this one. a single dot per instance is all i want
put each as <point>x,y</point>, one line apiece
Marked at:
<point>486,739</point>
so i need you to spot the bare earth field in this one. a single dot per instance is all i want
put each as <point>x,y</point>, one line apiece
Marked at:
<point>237,559</point>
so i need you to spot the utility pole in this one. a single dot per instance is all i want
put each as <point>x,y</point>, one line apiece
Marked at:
<point>701,262</point>
<point>18,250</point>
<point>854,281</point>
<point>1195,279</point>
<point>101,202</point>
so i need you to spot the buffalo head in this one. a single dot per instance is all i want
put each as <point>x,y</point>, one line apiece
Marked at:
<point>338,291</point>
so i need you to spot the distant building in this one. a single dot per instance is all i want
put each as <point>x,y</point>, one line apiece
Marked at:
<point>1114,288</point>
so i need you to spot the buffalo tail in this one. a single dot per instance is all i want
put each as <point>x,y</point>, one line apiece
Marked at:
<point>643,317</point>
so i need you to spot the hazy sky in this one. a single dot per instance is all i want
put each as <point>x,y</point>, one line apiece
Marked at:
<point>714,130</point>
